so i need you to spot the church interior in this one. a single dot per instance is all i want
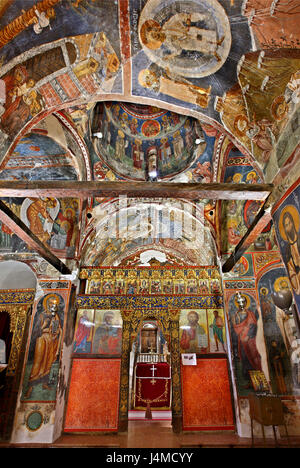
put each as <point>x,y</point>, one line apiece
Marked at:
<point>149,223</point>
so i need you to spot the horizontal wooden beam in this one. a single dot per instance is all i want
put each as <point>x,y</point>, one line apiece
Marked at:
<point>260,221</point>
<point>8,217</point>
<point>89,189</point>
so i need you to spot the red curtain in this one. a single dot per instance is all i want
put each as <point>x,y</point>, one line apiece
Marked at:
<point>153,384</point>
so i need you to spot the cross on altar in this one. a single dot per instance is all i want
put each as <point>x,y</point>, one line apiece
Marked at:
<point>153,369</point>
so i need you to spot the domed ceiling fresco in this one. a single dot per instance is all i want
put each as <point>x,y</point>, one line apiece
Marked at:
<point>203,91</point>
<point>143,142</point>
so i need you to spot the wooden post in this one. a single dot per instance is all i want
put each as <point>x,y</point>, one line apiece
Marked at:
<point>124,384</point>
<point>176,377</point>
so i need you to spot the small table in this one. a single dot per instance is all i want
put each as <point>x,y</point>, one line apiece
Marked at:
<point>268,411</point>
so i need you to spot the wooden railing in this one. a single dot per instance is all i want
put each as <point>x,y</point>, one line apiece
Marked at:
<point>151,357</point>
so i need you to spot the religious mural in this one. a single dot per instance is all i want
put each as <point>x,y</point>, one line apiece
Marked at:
<point>54,222</point>
<point>42,368</point>
<point>280,331</point>
<point>28,93</point>
<point>138,140</point>
<point>199,281</point>
<point>236,217</point>
<point>234,66</point>
<point>22,101</point>
<point>30,26</point>
<point>202,331</point>
<point>133,226</point>
<point>177,46</point>
<point>243,321</point>
<point>267,82</point>
<point>244,266</point>
<point>162,68</point>
<point>287,225</point>
<point>39,157</point>
<point>262,25</point>
<point>174,134</point>
<point>98,332</point>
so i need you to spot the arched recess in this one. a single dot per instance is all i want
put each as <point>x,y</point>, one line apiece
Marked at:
<point>158,326</point>
<point>125,227</point>
<point>167,320</point>
<point>16,275</point>
<point>17,292</point>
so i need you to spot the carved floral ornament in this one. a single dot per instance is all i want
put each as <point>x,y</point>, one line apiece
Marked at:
<point>145,302</point>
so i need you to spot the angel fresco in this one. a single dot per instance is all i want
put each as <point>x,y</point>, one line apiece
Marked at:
<point>65,230</point>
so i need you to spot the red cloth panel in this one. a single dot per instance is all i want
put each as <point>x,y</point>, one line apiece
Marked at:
<point>153,390</point>
<point>207,403</point>
<point>93,403</point>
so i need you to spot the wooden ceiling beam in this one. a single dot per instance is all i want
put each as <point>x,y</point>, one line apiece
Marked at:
<point>261,220</point>
<point>8,217</point>
<point>102,189</point>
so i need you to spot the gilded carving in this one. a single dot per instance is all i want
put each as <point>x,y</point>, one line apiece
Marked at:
<point>12,296</point>
<point>162,307</point>
<point>176,379</point>
<point>149,302</point>
<point>18,314</point>
<point>125,370</point>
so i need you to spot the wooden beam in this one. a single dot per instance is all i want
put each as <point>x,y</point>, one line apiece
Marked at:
<point>86,189</point>
<point>8,217</point>
<point>260,221</point>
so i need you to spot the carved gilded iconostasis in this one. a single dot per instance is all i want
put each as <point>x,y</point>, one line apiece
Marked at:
<point>197,100</point>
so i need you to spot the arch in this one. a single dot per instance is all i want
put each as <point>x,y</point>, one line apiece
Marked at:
<point>16,275</point>
<point>164,225</point>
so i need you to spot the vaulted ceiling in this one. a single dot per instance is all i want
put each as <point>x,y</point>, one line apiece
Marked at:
<point>185,107</point>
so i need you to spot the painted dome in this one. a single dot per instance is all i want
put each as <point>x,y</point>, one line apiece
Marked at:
<point>144,142</point>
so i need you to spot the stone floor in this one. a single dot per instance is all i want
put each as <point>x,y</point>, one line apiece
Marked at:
<point>154,434</point>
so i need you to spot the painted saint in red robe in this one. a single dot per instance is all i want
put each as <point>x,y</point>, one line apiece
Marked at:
<point>245,326</point>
